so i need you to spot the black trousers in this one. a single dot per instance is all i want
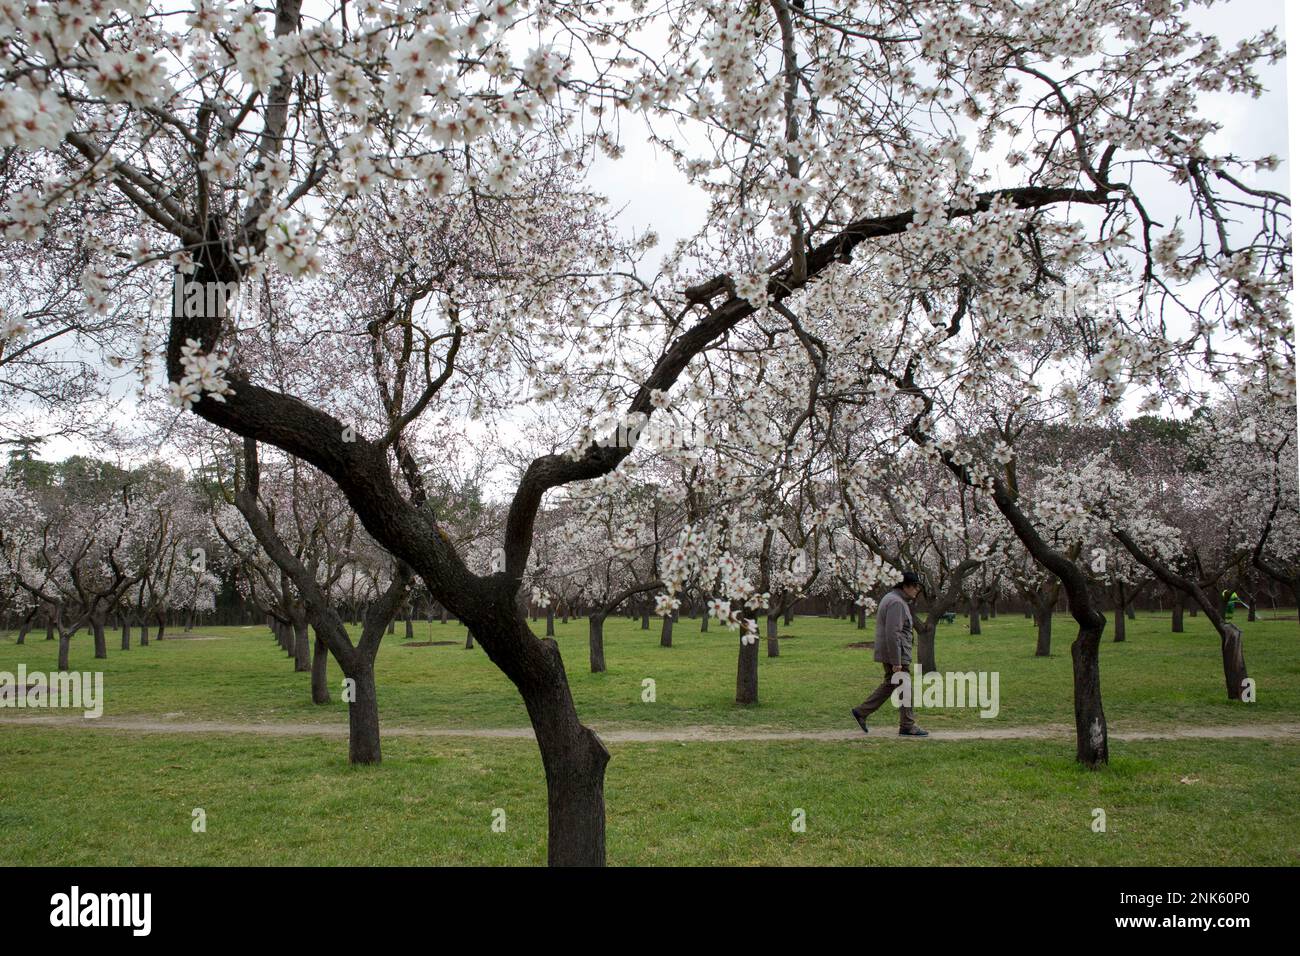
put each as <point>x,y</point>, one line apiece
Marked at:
<point>906,717</point>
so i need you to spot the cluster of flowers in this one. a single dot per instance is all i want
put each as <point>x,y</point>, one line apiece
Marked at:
<point>205,374</point>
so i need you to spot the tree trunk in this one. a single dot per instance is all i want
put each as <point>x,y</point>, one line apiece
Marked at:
<point>645,620</point>
<point>974,616</point>
<point>410,629</point>
<point>550,621</point>
<point>704,622</point>
<point>789,616</point>
<point>1179,603</point>
<point>469,640</point>
<point>862,617</point>
<point>301,647</point>
<point>320,690</point>
<point>1234,660</point>
<point>442,615</point>
<point>1043,618</point>
<point>773,643</point>
<point>596,643</point>
<point>925,633</point>
<point>101,643</point>
<point>49,630</point>
<point>392,626</point>
<point>1092,749</point>
<point>1120,630</point>
<point>126,634</point>
<point>144,633</point>
<point>747,673</point>
<point>363,718</point>
<point>574,760</point>
<point>65,641</point>
<point>666,633</point>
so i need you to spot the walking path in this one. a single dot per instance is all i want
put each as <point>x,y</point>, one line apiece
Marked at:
<point>634,735</point>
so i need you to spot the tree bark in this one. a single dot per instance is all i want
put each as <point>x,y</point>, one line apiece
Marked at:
<point>925,633</point>
<point>666,632</point>
<point>1043,619</point>
<point>974,615</point>
<point>747,673</point>
<point>1120,629</point>
<point>101,643</point>
<point>65,641</point>
<point>596,643</point>
<point>320,690</point>
<point>704,621</point>
<point>1179,601</point>
<point>550,621</point>
<point>301,647</point>
<point>126,634</point>
<point>363,718</point>
<point>773,642</point>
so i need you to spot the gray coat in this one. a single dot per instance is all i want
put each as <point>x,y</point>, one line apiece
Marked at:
<point>894,629</point>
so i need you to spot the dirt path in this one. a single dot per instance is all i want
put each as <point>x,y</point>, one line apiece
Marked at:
<point>668,735</point>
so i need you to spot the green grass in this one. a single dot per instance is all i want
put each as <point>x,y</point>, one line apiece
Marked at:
<point>88,795</point>
<point>85,797</point>
<point>1154,679</point>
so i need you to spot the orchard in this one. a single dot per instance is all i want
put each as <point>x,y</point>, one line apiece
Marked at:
<point>318,317</point>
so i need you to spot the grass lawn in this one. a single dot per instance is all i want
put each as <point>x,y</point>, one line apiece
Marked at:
<point>81,795</point>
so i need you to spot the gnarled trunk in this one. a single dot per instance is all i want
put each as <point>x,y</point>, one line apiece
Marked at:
<point>1092,745</point>
<point>1234,660</point>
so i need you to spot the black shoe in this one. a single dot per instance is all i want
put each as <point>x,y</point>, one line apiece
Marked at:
<point>862,721</point>
<point>914,732</point>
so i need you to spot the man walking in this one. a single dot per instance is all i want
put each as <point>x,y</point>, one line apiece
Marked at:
<point>894,651</point>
